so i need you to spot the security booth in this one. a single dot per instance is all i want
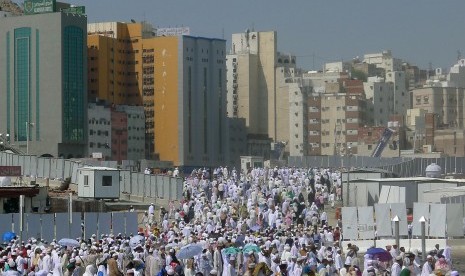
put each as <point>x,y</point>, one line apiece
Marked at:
<point>98,183</point>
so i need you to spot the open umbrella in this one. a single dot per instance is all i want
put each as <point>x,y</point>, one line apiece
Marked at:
<point>8,236</point>
<point>231,251</point>
<point>136,240</point>
<point>189,251</point>
<point>255,228</point>
<point>379,253</point>
<point>68,242</point>
<point>251,248</point>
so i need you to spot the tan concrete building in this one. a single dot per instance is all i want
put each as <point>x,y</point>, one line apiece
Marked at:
<point>446,102</point>
<point>258,90</point>
<point>450,141</point>
<point>333,122</point>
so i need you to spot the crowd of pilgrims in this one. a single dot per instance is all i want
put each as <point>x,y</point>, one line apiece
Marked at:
<point>260,222</point>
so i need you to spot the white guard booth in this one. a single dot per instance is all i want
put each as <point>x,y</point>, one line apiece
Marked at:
<point>98,183</point>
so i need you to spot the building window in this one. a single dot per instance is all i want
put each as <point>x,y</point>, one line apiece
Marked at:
<point>425,99</point>
<point>73,84</point>
<point>107,180</point>
<point>86,180</point>
<point>22,81</point>
<point>370,147</point>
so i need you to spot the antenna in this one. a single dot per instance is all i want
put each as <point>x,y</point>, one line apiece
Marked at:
<point>222,33</point>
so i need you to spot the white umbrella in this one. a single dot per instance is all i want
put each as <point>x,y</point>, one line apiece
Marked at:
<point>68,242</point>
<point>135,241</point>
<point>189,251</point>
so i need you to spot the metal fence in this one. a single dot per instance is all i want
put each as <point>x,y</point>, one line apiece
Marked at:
<point>139,184</point>
<point>343,161</point>
<point>57,226</point>
<point>402,166</point>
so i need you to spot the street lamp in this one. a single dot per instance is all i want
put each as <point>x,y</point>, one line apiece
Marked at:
<point>28,125</point>
<point>422,221</point>
<point>396,221</point>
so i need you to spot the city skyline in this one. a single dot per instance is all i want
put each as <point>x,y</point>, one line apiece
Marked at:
<point>316,32</point>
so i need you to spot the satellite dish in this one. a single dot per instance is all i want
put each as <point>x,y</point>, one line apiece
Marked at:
<point>133,21</point>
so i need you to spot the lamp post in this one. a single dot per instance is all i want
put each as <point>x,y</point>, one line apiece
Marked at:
<point>422,221</point>
<point>396,221</point>
<point>349,154</point>
<point>28,125</point>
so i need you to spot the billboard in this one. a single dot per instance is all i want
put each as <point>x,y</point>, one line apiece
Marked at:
<point>173,31</point>
<point>39,6</point>
<point>10,170</point>
<point>81,10</point>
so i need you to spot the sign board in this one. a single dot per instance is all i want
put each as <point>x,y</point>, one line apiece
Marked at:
<point>39,6</point>
<point>173,31</point>
<point>10,170</point>
<point>81,10</point>
<point>97,155</point>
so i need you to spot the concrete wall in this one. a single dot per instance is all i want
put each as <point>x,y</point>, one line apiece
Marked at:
<point>139,186</point>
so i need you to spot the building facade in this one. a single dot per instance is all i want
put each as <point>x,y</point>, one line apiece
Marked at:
<point>43,94</point>
<point>99,129</point>
<point>135,120</point>
<point>190,126</point>
<point>119,135</point>
<point>252,81</point>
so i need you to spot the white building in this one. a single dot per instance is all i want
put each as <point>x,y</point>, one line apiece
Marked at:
<point>298,119</point>
<point>99,130</point>
<point>401,98</point>
<point>381,95</point>
<point>384,60</point>
<point>337,66</point>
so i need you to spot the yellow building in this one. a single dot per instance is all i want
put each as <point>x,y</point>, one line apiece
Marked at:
<point>121,68</point>
<point>190,100</point>
<point>115,62</point>
<point>180,81</point>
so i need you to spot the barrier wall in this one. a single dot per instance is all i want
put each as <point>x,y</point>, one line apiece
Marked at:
<point>441,221</point>
<point>402,166</point>
<point>142,185</point>
<point>408,244</point>
<point>56,226</point>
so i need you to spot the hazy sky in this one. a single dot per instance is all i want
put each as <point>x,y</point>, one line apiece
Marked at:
<point>418,31</point>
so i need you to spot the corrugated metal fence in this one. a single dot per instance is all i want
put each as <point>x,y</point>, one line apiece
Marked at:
<point>139,184</point>
<point>57,226</point>
<point>403,166</point>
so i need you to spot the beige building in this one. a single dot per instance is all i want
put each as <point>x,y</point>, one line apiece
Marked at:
<point>298,119</point>
<point>333,122</point>
<point>258,91</point>
<point>446,102</point>
<point>384,60</point>
<point>450,141</point>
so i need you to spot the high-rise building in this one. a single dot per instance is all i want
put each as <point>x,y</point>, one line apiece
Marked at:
<point>258,90</point>
<point>190,126</point>
<point>43,87</point>
<point>115,62</point>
